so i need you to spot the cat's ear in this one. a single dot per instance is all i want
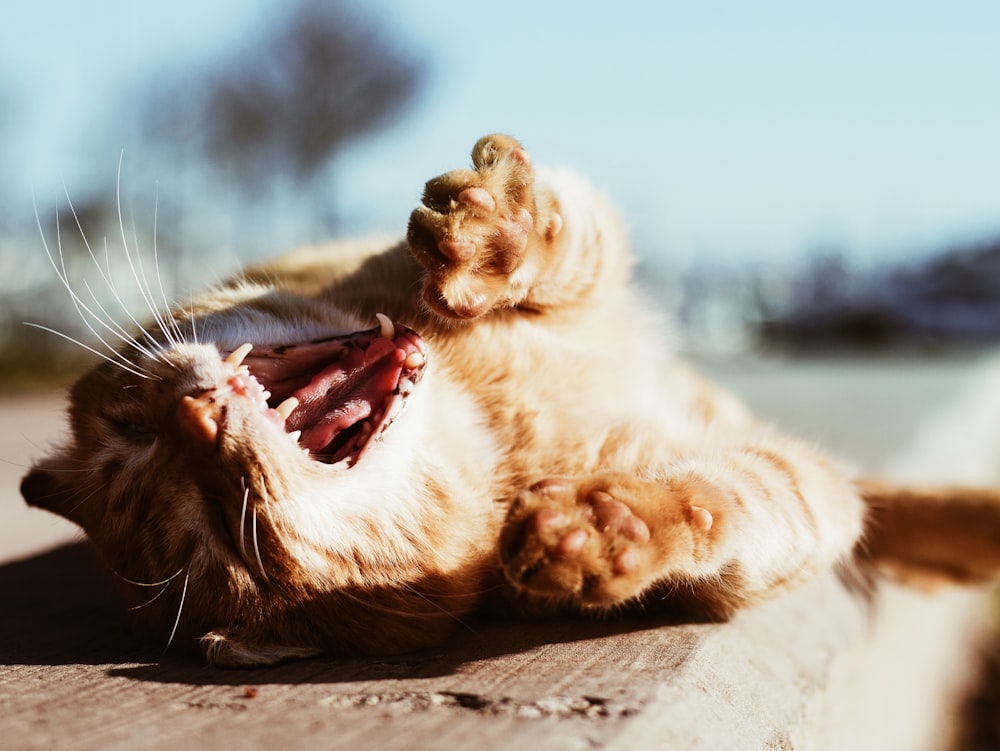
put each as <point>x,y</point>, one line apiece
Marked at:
<point>49,485</point>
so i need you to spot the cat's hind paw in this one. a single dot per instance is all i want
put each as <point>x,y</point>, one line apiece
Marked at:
<point>474,229</point>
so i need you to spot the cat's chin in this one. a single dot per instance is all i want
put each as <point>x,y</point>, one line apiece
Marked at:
<point>334,396</point>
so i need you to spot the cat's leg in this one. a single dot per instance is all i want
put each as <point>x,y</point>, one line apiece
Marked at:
<point>499,237</point>
<point>712,532</point>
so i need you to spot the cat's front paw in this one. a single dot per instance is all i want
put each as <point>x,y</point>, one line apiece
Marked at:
<point>475,228</point>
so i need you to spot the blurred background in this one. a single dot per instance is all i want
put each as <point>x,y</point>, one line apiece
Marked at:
<point>799,178</point>
<point>794,176</point>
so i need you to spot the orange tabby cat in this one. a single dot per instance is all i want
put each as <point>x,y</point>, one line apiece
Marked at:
<point>484,411</point>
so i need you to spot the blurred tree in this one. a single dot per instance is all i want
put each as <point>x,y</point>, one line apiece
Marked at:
<point>288,101</point>
<point>9,113</point>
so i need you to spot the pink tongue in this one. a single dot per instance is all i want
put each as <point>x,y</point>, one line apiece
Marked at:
<point>318,436</point>
<point>344,394</point>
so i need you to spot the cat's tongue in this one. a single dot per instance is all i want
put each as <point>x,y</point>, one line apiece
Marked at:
<point>345,393</point>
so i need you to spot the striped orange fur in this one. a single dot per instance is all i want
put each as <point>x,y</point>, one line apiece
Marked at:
<point>551,454</point>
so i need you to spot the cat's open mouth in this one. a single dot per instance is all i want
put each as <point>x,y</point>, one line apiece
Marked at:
<point>337,395</point>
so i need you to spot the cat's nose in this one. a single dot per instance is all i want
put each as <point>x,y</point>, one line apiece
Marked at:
<point>198,416</point>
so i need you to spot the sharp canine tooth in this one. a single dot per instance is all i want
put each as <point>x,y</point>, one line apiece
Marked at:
<point>236,357</point>
<point>395,407</point>
<point>295,435</point>
<point>287,407</point>
<point>414,360</point>
<point>388,330</point>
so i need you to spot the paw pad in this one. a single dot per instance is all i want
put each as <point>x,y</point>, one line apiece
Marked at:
<point>563,540</point>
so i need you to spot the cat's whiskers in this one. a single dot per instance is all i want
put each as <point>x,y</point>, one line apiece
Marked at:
<point>120,332</point>
<point>450,613</point>
<point>277,525</point>
<point>243,519</point>
<point>93,492</point>
<point>256,546</point>
<point>168,317</point>
<point>163,584</point>
<point>85,313</point>
<point>192,321</point>
<point>138,272</point>
<point>141,374</point>
<point>253,531</point>
<point>375,606</point>
<point>107,321</point>
<point>180,609</point>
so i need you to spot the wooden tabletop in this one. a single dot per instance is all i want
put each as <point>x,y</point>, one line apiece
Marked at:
<point>826,667</point>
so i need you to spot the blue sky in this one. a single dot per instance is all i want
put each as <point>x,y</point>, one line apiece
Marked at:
<point>748,131</point>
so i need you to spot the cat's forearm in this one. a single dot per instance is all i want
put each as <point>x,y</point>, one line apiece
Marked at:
<point>780,513</point>
<point>579,245</point>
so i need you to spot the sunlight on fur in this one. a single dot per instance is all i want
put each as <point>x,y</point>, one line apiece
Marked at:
<point>348,452</point>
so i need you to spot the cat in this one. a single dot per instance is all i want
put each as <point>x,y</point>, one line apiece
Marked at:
<point>346,451</point>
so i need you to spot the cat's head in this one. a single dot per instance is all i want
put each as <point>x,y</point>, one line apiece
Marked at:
<point>227,485</point>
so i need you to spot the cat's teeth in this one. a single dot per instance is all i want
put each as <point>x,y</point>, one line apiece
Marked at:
<point>294,436</point>
<point>414,360</point>
<point>236,357</point>
<point>395,407</point>
<point>405,386</point>
<point>287,407</point>
<point>342,464</point>
<point>388,331</point>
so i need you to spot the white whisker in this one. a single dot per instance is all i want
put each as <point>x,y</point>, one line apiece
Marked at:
<point>81,308</point>
<point>171,320</point>
<point>149,584</point>
<point>148,602</point>
<point>153,342</point>
<point>243,518</point>
<point>191,319</point>
<point>103,356</point>
<point>137,274</point>
<point>126,337</point>
<point>180,609</point>
<point>165,586</point>
<point>256,546</point>
<point>276,524</point>
<point>108,322</point>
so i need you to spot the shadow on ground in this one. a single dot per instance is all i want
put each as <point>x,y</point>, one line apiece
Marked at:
<point>61,609</point>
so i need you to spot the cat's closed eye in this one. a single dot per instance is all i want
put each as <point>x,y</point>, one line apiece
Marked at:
<point>140,430</point>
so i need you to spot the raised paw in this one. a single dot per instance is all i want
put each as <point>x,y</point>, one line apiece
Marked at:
<point>475,228</point>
